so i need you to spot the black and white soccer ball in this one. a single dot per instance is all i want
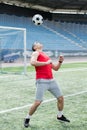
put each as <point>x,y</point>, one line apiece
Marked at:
<point>37,19</point>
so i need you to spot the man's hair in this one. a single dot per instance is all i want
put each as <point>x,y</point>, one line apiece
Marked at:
<point>34,46</point>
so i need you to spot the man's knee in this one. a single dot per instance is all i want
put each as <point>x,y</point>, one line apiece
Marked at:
<point>60,99</point>
<point>37,103</point>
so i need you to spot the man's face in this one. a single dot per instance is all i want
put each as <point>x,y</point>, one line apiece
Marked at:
<point>38,46</point>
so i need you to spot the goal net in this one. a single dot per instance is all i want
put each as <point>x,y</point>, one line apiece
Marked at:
<point>12,50</point>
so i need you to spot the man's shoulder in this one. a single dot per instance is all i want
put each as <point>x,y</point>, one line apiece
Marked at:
<point>35,53</point>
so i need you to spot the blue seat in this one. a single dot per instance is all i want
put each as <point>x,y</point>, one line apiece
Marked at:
<point>57,35</point>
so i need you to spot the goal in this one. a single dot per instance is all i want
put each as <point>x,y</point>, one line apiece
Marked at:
<point>13,50</point>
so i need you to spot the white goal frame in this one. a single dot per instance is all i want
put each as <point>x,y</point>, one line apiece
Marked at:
<point>24,31</point>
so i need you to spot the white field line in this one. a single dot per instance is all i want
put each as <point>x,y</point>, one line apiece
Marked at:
<point>72,69</point>
<point>46,101</point>
<point>61,70</point>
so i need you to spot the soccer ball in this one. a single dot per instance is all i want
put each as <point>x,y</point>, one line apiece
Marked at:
<point>37,19</point>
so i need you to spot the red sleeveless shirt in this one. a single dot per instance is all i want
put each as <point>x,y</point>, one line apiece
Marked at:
<point>43,72</point>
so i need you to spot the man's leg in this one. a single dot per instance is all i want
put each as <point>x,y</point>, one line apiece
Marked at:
<point>31,112</point>
<point>34,107</point>
<point>55,90</point>
<point>60,105</point>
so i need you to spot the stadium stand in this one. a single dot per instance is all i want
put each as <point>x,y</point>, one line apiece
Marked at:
<point>11,57</point>
<point>54,35</point>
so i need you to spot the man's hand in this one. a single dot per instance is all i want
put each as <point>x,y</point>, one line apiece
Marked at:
<point>61,59</point>
<point>49,62</point>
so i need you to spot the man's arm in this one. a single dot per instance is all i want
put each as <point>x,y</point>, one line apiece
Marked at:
<point>34,61</point>
<point>58,65</point>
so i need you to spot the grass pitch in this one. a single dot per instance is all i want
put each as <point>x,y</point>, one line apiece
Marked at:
<point>17,93</point>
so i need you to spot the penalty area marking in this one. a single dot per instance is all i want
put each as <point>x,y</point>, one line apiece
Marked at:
<point>46,101</point>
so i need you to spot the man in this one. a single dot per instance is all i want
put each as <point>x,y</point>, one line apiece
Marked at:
<point>45,81</point>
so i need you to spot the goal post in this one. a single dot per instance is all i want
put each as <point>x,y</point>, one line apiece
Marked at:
<point>13,49</point>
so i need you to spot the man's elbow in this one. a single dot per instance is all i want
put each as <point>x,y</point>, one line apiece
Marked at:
<point>56,69</point>
<point>32,63</point>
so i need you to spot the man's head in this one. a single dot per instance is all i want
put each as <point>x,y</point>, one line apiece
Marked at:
<point>37,46</point>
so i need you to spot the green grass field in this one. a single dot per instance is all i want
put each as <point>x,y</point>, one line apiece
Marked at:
<point>17,93</point>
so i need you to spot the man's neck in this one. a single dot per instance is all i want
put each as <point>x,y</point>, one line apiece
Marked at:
<point>39,50</point>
